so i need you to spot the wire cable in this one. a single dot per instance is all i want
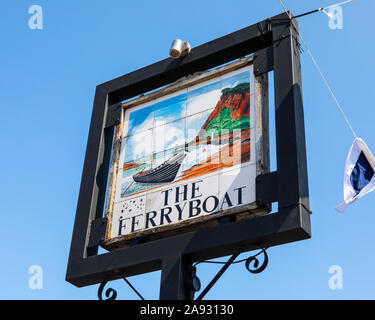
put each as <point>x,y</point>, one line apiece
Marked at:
<point>317,66</point>
<point>322,10</point>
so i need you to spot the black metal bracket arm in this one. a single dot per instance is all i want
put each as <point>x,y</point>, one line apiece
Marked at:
<point>111,293</point>
<point>248,261</point>
<point>193,282</point>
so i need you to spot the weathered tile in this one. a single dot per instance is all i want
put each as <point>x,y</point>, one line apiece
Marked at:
<point>200,160</point>
<point>126,186</point>
<point>237,187</point>
<point>202,97</point>
<point>238,88</point>
<point>160,210</point>
<point>234,78</point>
<point>128,216</point>
<point>137,146</point>
<point>182,201</point>
<point>139,118</point>
<point>239,152</point>
<point>209,128</point>
<point>170,108</point>
<point>200,146</point>
<point>170,135</point>
<point>196,126</point>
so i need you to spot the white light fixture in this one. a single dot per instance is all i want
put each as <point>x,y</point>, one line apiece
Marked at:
<point>179,49</point>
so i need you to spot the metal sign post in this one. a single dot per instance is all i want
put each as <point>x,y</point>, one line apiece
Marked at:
<point>274,42</point>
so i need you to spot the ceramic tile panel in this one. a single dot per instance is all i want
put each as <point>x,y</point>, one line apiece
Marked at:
<point>170,108</point>
<point>182,201</point>
<point>243,75</point>
<point>128,216</point>
<point>168,136</point>
<point>203,97</point>
<point>127,187</point>
<point>201,159</point>
<point>237,120</point>
<point>241,152</point>
<point>196,139</point>
<point>190,153</point>
<point>196,125</point>
<point>242,84</point>
<point>237,187</point>
<point>139,118</point>
<point>137,146</point>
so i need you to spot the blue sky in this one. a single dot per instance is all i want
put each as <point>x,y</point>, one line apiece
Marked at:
<point>47,86</point>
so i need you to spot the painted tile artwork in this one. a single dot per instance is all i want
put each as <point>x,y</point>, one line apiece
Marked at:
<point>186,154</point>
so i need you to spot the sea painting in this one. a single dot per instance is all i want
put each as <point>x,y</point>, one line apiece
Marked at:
<point>199,131</point>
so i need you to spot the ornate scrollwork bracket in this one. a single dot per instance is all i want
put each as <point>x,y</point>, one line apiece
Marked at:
<point>111,293</point>
<point>254,259</point>
<point>252,264</point>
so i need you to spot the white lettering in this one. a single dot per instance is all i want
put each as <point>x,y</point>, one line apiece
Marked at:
<point>36,280</point>
<point>36,20</point>
<point>335,281</point>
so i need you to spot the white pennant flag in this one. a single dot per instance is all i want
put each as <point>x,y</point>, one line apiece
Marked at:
<point>359,177</point>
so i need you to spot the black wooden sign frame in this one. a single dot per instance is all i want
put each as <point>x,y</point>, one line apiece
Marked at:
<point>274,43</point>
